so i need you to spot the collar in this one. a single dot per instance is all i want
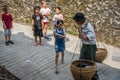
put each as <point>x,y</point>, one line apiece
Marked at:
<point>83,25</point>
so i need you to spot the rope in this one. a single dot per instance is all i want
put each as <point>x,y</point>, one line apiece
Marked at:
<point>74,55</point>
<point>75,50</point>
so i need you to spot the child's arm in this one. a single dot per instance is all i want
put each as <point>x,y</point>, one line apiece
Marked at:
<point>33,17</point>
<point>12,25</point>
<point>54,33</point>
<point>4,26</point>
<point>32,24</point>
<point>42,24</point>
<point>54,18</point>
<point>62,17</point>
<point>48,14</point>
<point>11,21</point>
<point>62,36</point>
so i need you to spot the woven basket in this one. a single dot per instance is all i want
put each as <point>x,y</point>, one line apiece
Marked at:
<point>83,73</point>
<point>101,54</point>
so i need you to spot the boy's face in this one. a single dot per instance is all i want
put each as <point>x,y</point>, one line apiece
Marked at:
<point>6,10</point>
<point>60,25</point>
<point>57,11</point>
<point>79,22</point>
<point>44,4</point>
<point>37,11</point>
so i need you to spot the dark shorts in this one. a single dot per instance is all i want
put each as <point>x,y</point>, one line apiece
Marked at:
<point>38,33</point>
<point>88,52</point>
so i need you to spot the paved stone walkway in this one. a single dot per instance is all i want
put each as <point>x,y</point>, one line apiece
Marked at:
<point>41,59</point>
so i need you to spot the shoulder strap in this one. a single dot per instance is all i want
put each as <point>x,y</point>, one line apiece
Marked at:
<point>62,30</point>
<point>56,30</point>
<point>85,25</point>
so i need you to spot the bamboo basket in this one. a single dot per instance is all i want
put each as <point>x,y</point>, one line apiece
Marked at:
<point>101,54</point>
<point>83,73</point>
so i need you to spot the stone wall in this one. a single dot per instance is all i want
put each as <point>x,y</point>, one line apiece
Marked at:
<point>20,9</point>
<point>104,14</point>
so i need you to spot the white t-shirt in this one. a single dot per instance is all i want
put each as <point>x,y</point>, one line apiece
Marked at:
<point>57,17</point>
<point>45,11</point>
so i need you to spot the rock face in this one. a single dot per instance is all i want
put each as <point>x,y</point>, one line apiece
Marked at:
<point>20,9</point>
<point>104,14</point>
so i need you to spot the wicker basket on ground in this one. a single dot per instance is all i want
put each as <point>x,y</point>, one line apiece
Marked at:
<point>83,72</point>
<point>101,54</point>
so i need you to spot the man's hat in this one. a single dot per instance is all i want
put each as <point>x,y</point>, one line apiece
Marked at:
<point>79,17</point>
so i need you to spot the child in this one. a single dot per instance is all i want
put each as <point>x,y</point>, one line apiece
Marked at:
<point>37,23</point>
<point>45,12</point>
<point>57,16</point>
<point>88,39</point>
<point>59,34</point>
<point>7,25</point>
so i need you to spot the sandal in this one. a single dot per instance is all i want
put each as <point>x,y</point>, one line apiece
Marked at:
<point>40,44</point>
<point>35,44</point>
<point>62,62</point>
<point>56,72</point>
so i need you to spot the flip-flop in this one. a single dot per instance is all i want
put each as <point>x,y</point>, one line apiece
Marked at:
<point>62,62</point>
<point>56,72</point>
<point>35,44</point>
<point>40,44</point>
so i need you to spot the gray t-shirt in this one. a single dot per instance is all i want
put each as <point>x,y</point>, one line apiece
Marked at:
<point>37,21</point>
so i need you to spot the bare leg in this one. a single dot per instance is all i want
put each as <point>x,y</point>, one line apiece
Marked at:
<point>45,29</point>
<point>40,39</point>
<point>6,38</point>
<point>56,62</point>
<point>62,57</point>
<point>35,41</point>
<point>9,37</point>
<point>9,40</point>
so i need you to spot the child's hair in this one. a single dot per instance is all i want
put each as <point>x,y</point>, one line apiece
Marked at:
<point>5,7</point>
<point>57,8</point>
<point>60,22</point>
<point>36,7</point>
<point>43,2</point>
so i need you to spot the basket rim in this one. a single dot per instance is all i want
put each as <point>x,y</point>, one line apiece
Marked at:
<point>93,66</point>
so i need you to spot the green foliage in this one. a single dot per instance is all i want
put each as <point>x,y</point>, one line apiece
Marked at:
<point>64,1</point>
<point>27,20</point>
